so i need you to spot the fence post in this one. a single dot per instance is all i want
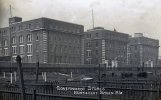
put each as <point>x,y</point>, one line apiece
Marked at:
<point>37,71</point>
<point>4,74</point>
<point>15,75</point>
<point>99,80</point>
<point>18,59</point>
<point>11,78</point>
<point>34,95</point>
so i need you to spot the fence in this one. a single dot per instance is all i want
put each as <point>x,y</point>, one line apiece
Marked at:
<point>51,92</point>
<point>15,94</point>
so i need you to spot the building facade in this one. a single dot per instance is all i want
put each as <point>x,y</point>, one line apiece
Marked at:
<point>143,51</point>
<point>104,46</point>
<point>44,40</point>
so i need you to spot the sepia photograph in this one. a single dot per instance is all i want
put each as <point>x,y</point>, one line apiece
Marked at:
<point>80,50</point>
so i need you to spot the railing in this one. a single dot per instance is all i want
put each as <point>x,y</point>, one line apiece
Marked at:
<point>111,91</point>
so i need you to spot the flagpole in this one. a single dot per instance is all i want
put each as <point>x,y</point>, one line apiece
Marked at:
<point>10,11</point>
<point>92,18</point>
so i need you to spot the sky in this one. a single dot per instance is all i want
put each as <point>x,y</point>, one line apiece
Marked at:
<point>127,16</point>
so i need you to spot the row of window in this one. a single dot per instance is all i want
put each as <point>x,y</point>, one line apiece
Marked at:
<point>88,44</point>
<point>89,53</point>
<point>68,50</point>
<point>21,39</point>
<point>64,28</point>
<point>21,27</point>
<point>36,25</point>
<point>21,49</point>
<point>3,32</point>
<point>88,35</point>
<point>14,29</point>
<point>65,39</point>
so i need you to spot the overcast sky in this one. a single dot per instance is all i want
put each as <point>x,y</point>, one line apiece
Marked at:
<point>128,16</point>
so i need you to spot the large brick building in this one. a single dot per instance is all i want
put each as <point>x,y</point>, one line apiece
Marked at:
<point>143,51</point>
<point>43,39</point>
<point>102,45</point>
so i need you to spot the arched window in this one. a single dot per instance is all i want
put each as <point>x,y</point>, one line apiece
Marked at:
<point>5,43</point>
<point>21,39</point>
<point>29,38</point>
<point>14,40</point>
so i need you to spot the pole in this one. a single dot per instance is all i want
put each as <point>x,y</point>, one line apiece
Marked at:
<point>34,94</point>
<point>36,81</point>
<point>159,88</point>
<point>42,75</point>
<point>92,18</point>
<point>45,76</point>
<point>15,76</point>
<point>71,75</point>
<point>10,45</point>
<point>18,59</point>
<point>37,71</point>
<point>99,85</point>
<point>10,11</point>
<point>11,78</point>
<point>4,74</point>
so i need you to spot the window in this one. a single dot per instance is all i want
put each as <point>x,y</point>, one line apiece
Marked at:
<point>77,41</point>
<point>78,31</point>
<point>5,43</point>
<point>0,51</point>
<point>29,48</point>
<point>135,47</point>
<point>19,28</point>
<point>0,44</point>
<point>96,52</point>
<point>88,53</point>
<point>37,24</point>
<point>21,39</point>
<point>78,51</point>
<point>37,37</point>
<point>88,35</point>
<point>96,43</point>
<point>14,49</point>
<point>89,61</point>
<point>14,40</point>
<point>22,58</point>
<point>5,51</point>
<point>29,26</point>
<point>29,38</point>
<point>11,29</point>
<point>88,44</point>
<point>29,58</point>
<point>14,58</point>
<point>22,49</point>
<point>96,34</point>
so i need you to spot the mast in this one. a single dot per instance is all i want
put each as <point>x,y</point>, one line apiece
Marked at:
<point>10,11</point>
<point>92,18</point>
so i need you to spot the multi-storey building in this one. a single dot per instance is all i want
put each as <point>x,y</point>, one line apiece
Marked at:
<point>143,51</point>
<point>44,40</point>
<point>102,46</point>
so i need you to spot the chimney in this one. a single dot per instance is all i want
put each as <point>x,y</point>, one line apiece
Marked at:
<point>14,20</point>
